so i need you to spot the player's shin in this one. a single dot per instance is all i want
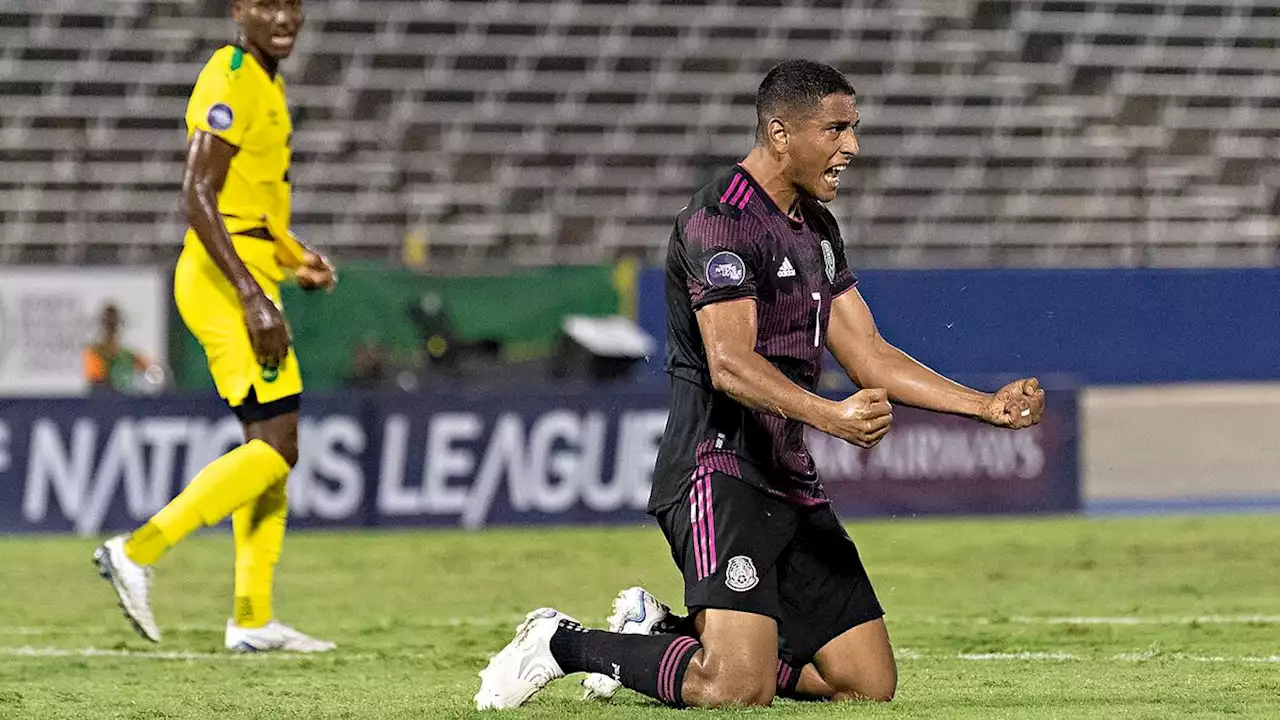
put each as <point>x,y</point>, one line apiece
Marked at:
<point>222,486</point>
<point>654,665</point>
<point>259,537</point>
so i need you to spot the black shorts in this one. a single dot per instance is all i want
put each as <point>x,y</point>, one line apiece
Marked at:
<point>742,549</point>
<point>253,411</point>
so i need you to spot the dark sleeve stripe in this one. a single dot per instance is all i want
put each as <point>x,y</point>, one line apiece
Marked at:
<point>719,295</point>
<point>842,291</point>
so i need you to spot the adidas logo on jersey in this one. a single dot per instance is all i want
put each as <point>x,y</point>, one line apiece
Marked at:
<point>787,269</point>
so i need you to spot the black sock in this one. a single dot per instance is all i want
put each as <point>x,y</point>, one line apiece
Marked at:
<point>788,680</point>
<point>650,664</point>
<point>678,625</point>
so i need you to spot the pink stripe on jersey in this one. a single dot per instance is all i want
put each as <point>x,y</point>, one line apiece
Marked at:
<point>709,512</point>
<point>695,530</point>
<point>745,199</point>
<point>704,513</point>
<point>733,186</point>
<point>710,459</point>
<point>810,497</point>
<point>745,186</point>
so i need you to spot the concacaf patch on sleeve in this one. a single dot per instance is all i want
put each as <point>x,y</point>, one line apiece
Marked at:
<point>726,269</point>
<point>220,117</point>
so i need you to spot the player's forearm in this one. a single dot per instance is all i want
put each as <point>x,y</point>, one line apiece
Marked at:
<point>753,381</point>
<point>202,213</point>
<point>910,382</point>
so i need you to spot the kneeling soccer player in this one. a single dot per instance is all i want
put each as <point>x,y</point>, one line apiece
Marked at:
<point>757,285</point>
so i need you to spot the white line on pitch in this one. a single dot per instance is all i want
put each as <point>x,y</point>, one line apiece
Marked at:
<point>1017,656</point>
<point>28,651</point>
<point>1061,656</point>
<point>1099,620</point>
<point>513,619</point>
<point>200,628</point>
<point>901,654</point>
<point>910,654</point>
<point>1149,655</point>
<point>1160,620</point>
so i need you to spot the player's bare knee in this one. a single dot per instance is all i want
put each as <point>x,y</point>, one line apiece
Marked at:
<point>736,695</point>
<point>286,446</point>
<point>874,691</point>
<point>288,449</point>
<point>884,695</point>
<point>280,434</point>
<point>284,443</point>
<point>715,688</point>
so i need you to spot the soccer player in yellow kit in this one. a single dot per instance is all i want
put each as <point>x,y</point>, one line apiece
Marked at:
<point>235,190</point>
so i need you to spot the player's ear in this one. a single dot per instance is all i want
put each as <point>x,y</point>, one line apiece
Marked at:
<point>775,133</point>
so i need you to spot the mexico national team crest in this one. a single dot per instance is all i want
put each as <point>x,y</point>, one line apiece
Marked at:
<point>829,260</point>
<point>740,574</point>
<point>726,269</point>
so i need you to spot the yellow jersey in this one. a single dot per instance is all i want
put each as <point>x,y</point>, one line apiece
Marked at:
<point>237,100</point>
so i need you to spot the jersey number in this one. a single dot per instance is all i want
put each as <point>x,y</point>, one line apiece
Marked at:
<point>817,321</point>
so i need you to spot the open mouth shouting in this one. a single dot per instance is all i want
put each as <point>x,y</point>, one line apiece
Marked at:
<point>832,175</point>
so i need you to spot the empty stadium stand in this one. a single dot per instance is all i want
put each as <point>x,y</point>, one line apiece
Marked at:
<point>1063,132</point>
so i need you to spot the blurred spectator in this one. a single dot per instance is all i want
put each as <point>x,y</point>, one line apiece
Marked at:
<point>370,367</point>
<point>437,360</point>
<point>110,366</point>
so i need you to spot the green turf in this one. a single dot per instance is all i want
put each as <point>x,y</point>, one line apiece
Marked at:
<point>416,614</point>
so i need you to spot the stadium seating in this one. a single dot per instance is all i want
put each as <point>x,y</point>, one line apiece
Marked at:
<point>1063,132</point>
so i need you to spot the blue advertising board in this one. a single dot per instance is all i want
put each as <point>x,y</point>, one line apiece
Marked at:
<point>97,465</point>
<point>1099,326</point>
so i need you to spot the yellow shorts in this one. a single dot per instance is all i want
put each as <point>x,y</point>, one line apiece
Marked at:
<point>211,310</point>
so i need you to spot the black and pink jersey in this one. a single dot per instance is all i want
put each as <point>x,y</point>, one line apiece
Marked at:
<point>733,242</point>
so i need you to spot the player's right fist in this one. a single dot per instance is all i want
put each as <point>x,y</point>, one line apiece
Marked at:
<point>267,330</point>
<point>864,417</point>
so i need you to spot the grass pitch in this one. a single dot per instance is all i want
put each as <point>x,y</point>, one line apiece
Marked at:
<point>1058,618</point>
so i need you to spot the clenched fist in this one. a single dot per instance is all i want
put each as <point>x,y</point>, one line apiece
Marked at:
<point>267,330</point>
<point>863,418</point>
<point>1017,405</point>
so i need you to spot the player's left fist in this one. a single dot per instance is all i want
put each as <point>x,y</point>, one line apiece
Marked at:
<point>1017,405</point>
<point>316,273</point>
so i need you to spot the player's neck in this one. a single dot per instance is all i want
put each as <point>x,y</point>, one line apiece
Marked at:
<point>768,174</point>
<point>265,61</point>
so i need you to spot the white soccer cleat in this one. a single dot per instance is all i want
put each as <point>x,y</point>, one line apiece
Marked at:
<point>524,666</point>
<point>635,612</point>
<point>132,583</point>
<point>273,636</point>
